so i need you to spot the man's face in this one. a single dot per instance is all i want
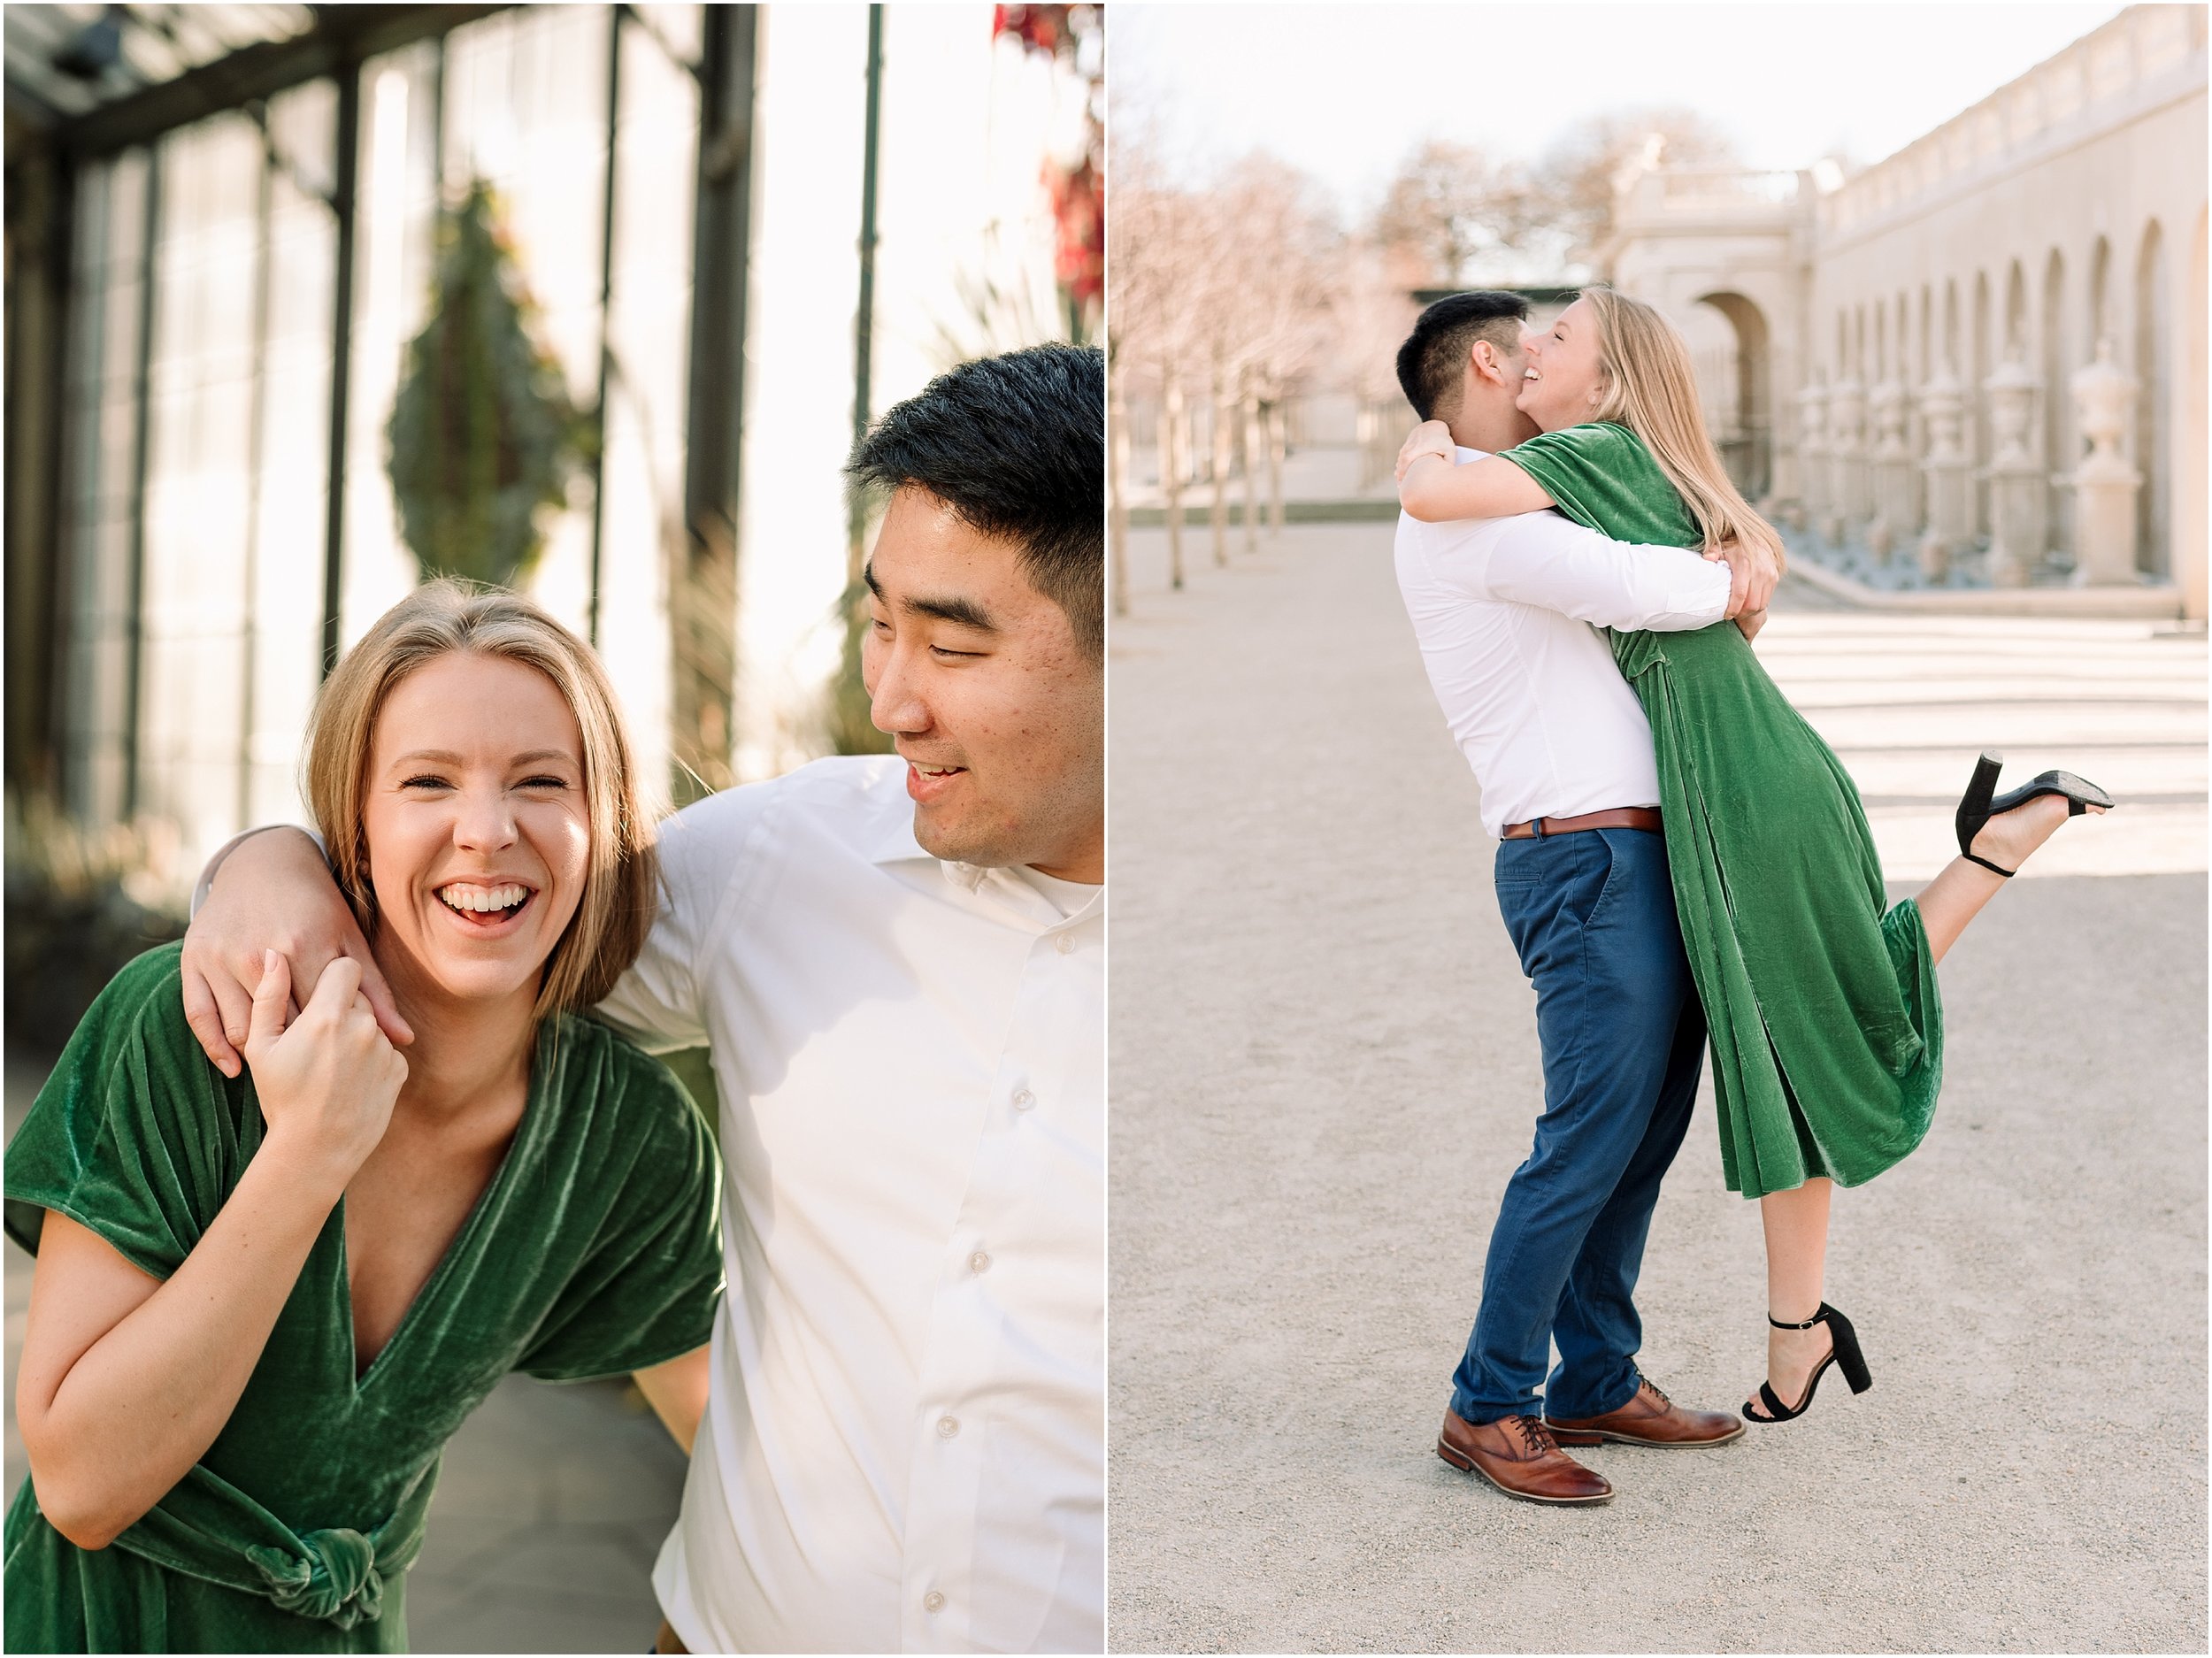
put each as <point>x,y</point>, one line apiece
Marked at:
<point>999,713</point>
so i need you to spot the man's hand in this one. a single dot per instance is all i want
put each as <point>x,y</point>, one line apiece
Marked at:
<point>1752,573</point>
<point>273,893</point>
<point>1430,437</point>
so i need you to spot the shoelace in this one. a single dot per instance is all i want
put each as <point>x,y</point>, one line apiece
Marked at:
<point>1536,1437</point>
<point>1658,1393</point>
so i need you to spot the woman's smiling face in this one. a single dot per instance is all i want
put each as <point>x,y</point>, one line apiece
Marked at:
<point>1560,386</point>
<point>478,827</point>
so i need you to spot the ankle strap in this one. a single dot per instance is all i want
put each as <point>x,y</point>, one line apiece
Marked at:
<point>1818,1317</point>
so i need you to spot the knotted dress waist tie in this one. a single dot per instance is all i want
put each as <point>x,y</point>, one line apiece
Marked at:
<point>208,1529</point>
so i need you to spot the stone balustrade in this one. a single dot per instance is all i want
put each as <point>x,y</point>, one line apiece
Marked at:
<point>2130,57</point>
<point>1878,492</point>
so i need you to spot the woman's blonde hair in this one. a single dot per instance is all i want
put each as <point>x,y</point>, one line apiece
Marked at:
<point>608,929</point>
<point>1647,384</point>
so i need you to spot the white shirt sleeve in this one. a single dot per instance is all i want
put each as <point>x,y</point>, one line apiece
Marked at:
<point>1542,559</point>
<point>660,1003</point>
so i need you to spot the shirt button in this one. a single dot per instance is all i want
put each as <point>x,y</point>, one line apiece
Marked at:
<point>948,1427</point>
<point>932,1601</point>
<point>1065,944</point>
<point>979,1261</point>
<point>1023,1099</point>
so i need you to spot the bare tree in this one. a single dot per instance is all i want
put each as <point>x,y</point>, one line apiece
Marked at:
<point>1153,337</point>
<point>1449,203</point>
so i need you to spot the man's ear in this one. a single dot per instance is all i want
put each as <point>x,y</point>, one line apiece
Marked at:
<point>1484,356</point>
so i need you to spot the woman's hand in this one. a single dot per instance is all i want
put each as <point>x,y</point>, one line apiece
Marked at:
<point>1430,437</point>
<point>326,1080</point>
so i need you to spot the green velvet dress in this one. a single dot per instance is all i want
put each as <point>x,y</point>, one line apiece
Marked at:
<point>1827,1032</point>
<point>594,1250</point>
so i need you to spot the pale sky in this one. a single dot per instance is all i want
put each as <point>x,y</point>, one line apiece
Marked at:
<point>1344,91</point>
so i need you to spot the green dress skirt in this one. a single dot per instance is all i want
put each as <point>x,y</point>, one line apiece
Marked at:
<point>1827,1032</point>
<point>594,1250</point>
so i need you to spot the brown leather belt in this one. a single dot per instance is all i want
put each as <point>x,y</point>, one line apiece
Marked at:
<point>1613,817</point>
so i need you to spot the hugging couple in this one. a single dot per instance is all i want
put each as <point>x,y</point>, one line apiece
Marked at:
<point>1681,861</point>
<point>267,1293</point>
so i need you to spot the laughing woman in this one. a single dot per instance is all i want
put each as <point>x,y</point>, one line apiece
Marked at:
<point>1820,996</point>
<point>262,1306</point>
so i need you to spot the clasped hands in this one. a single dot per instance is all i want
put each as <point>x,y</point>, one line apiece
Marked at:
<point>1751,571</point>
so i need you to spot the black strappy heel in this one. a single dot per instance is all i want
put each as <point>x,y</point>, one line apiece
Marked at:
<point>1843,1349</point>
<point>1977,808</point>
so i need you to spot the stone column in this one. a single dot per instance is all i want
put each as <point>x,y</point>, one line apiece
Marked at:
<point>1812,455</point>
<point>2104,483</point>
<point>2019,533</point>
<point>1949,470</point>
<point>1892,462</point>
<point>1848,502</point>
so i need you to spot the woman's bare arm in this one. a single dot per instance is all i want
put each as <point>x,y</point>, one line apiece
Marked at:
<point>127,1380</point>
<point>1434,490</point>
<point>678,1392</point>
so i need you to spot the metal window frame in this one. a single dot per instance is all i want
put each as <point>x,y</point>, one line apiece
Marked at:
<point>343,39</point>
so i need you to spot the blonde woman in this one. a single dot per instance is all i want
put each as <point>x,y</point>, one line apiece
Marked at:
<point>1826,1026</point>
<point>261,1306</point>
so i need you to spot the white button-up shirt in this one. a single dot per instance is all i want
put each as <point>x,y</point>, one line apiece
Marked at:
<point>1507,612</point>
<point>904,1447</point>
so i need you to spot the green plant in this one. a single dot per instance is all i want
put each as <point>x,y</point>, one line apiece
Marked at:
<point>482,434</point>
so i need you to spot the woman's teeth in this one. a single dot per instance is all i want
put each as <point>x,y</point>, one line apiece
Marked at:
<point>463,896</point>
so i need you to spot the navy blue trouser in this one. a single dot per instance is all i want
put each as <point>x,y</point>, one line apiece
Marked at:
<point>1591,914</point>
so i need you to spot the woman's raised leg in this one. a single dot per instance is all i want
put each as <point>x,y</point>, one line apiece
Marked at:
<point>1796,1226</point>
<point>1958,893</point>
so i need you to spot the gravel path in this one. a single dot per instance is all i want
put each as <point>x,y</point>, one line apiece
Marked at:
<point>1325,1068</point>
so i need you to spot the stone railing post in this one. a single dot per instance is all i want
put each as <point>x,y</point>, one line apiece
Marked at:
<point>1848,503</point>
<point>1949,470</point>
<point>2104,483</point>
<point>1893,471</point>
<point>2019,536</point>
<point>1812,455</point>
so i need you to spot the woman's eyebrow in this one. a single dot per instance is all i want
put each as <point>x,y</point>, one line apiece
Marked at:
<point>445,756</point>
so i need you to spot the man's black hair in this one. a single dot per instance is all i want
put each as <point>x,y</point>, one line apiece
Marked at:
<point>1016,445</point>
<point>1430,361</point>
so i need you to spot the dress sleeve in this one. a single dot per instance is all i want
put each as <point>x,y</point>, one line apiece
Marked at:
<point>647,1290</point>
<point>1602,477</point>
<point>135,1136</point>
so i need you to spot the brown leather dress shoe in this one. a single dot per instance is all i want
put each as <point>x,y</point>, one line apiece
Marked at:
<point>1516,1455</point>
<point>1649,1418</point>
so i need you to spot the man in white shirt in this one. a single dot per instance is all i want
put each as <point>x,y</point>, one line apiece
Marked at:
<point>1506,611</point>
<point>898,964</point>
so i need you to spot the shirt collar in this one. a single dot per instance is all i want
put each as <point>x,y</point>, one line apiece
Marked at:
<point>897,845</point>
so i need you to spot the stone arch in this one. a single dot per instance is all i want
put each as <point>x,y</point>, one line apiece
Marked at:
<point>1743,431</point>
<point>2154,358</point>
<point>2057,362</point>
<point>1977,400</point>
<point>2099,295</point>
<point>2188,517</point>
<point>2015,309</point>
